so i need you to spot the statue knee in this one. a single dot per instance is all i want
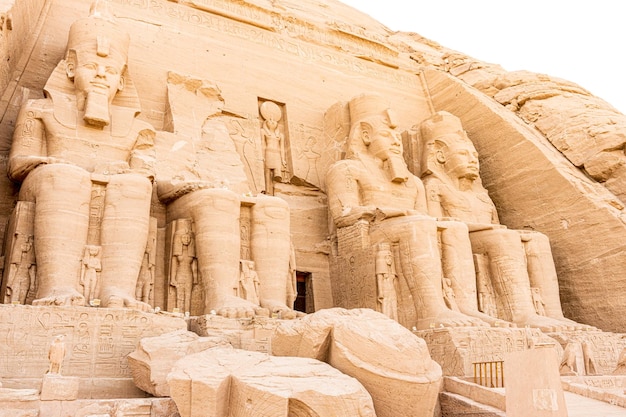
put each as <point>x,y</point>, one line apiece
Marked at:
<point>495,241</point>
<point>57,179</point>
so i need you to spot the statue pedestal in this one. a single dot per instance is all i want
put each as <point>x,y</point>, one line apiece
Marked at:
<point>59,387</point>
<point>598,352</point>
<point>458,349</point>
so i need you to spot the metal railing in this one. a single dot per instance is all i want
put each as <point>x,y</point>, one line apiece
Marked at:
<point>489,374</point>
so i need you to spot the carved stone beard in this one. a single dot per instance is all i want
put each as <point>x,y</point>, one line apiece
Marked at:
<point>97,109</point>
<point>396,166</point>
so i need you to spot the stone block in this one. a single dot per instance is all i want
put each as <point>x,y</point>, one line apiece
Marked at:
<point>58,387</point>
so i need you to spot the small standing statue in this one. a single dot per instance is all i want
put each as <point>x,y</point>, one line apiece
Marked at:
<point>22,270</point>
<point>620,369</point>
<point>56,354</point>
<point>386,278</point>
<point>591,367</point>
<point>448,294</point>
<point>249,282</point>
<point>569,363</point>
<point>273,140</point>
<point>90,272</point>
<point>145,282</point>
<point>185,269</point>
<point>292,279</point>
<point>538,301</point>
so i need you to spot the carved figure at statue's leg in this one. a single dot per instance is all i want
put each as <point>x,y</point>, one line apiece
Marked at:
<point>421,267</point>
<point>125,226</point>
<point>458,266</point>
<point>509,271</point>
<point>270,244</point>
<point>61,194</point>
<point>542,274</point>
<point>215,213</point>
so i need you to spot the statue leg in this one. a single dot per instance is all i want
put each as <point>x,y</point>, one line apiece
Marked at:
<point>542,273</point>
<point>270,249</point>
<point>458,265</point>
<point>507,259</point>
<point>215,213</point>
<point>124,234</point>
<point>420,264</point>
<point>61,194</point>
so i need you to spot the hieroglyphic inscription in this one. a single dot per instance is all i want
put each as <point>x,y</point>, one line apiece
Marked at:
<point>308,153</point>
<point>348,37</point>
<point>456,349</point>
<point>305,51</point>
<point>245,135</point>
<point>605,347</point>
<point>97,340</point>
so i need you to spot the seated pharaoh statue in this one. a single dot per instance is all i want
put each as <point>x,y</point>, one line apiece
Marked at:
<point>241,243</point>
<point>373,186</point>
<point>85,164</point>
<point>517,279</point>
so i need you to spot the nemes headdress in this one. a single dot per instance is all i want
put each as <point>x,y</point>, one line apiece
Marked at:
<point>443,127</point>
<point>369,105</point>
<point>99,32</point>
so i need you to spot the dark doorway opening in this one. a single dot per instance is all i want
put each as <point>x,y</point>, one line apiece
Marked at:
<point>304,299</point>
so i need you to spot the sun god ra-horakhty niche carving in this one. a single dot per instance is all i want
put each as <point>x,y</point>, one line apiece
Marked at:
<point>86,163</point>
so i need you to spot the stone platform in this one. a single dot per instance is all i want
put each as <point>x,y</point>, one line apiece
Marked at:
<point>96,342</point>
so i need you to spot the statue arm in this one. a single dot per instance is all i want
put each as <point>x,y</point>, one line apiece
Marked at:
<point>169,190</point>
<point>27,150</point>
<point>282,149</point>
<point>343,196</point>
<point>420,200</point>
<point>433,199</point>
<point>174,271</point>
<point>83,270</point>
<point>142,156</point>
<point>194,270</point>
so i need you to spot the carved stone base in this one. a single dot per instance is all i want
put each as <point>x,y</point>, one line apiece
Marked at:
<point>59,387</point>
<point>97,341</point>
<point>457,349</point>
<point>601,348</point>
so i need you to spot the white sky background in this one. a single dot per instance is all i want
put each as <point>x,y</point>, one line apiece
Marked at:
<point>583,41</point>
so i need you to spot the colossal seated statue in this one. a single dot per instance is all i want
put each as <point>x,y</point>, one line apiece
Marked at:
<point>373,185</point>
<point>86,162</point>
<point>515,263</point>
<point>201,180</point>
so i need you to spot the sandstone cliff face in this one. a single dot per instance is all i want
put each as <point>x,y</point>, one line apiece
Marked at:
<point>551,153</point>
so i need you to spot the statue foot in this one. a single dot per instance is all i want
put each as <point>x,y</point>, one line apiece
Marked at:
<point>449,318</point>
<point>116,301</point>
<point>492,321</point>
<point>237,308</point>
<point>70,298</point>
<point>279,310</point>
<point>547,324</point>
<point>574,325</point>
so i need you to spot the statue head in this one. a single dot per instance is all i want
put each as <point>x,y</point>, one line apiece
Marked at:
<point>373,131</point>
<point>449,148</point>
<point>272,114</point>
<point>97,54</point>
<point>185,239</point>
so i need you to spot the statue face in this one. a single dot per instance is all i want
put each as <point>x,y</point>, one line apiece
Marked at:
<point>97,74</point>
<point>186,239</point>
<point>462,161</point>
<point>385,142</point>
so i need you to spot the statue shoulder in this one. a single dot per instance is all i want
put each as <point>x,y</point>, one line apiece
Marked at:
<point>433,182</point>
<point>36,108</point>
<point>345,166</point>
